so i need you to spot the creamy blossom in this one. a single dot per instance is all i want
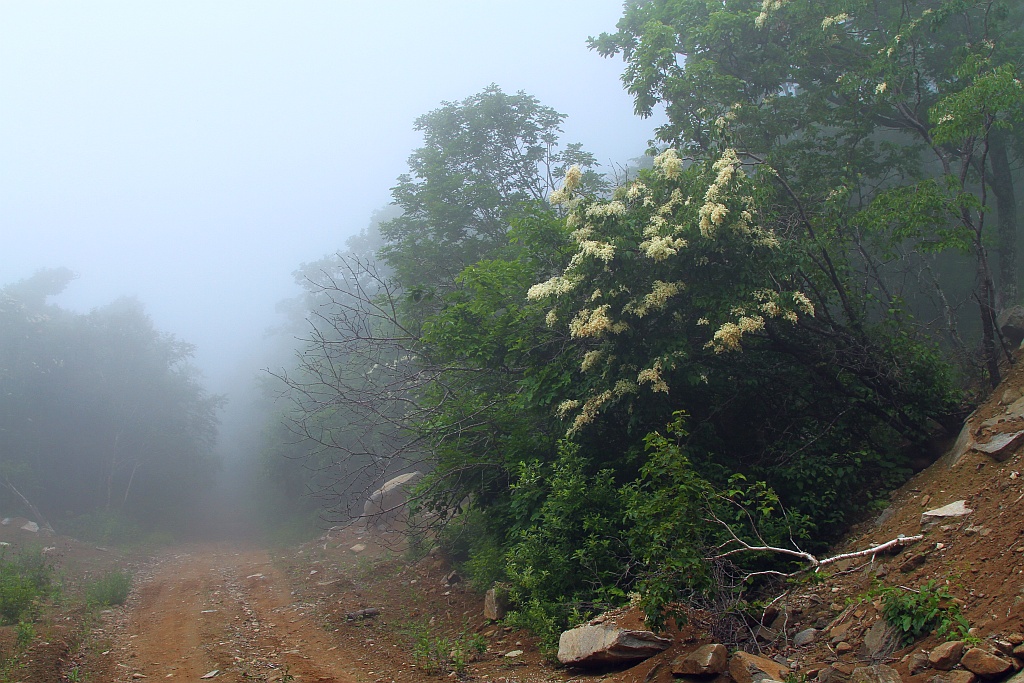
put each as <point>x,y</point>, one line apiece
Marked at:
<point>599,250</point>
<point>713,212</point>
<point>767,8</point>
<point>624,386</point>
<point>613,208</point>
<point>590,359</point>
<point>729,335</point>
<point>556,286</point>
<point>660,293</point>
<point>669,163</point>
<point>659,248</point>
<point>831,21</point>
<point>565,406</point>
<point>804,303</point>
<point>594,323</point>
<point>652,376</point>
<point>573,177</point>
<point>589,411</point>
<point>636,190</point>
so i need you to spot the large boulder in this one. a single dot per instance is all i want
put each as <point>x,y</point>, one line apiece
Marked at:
<point>496,603</point>
<point>958,676</point>
<point>747,668</point>
<point>1001,446</point>
<point>985,664</point>
<point>946,655</point>
<point>706,660</point>
<point>1011,324</point>
<point>386,504</point>
<point>606,643</point>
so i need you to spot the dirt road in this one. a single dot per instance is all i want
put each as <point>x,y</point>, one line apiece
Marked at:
<point>227,610</point>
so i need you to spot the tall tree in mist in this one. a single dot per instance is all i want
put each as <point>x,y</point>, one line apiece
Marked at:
<point>483,160</point>
<point>99,411</point>
<point>374,364</point>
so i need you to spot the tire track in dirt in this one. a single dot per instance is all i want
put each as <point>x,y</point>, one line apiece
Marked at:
<point>228,609</point>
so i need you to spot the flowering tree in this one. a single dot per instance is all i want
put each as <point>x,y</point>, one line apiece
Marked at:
<point>682,294</point>
<point>881,127</point>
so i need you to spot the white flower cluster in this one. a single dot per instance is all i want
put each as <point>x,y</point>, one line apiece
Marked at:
<point>770,303</point>
<point>599,250</point>
<point>832,21</point>
<point>613,208</point>
<point>713,212</point>
<point>556,286</point>
<point>636,191</point>
<point>660,293</point>
<point>562,195</point>
<point>669,164</point>
<point>659,248</point>
<point>804,303</point>
<point>652,376</point>
<point>767,8</point>
<point>565,407</point>
<point>589,411</point>
<point>594,323</point>
<point>729,335</point>
<point>590,359</point>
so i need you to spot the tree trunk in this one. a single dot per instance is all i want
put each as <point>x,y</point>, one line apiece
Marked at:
<point>989,331</point>
<point>1001,182</point>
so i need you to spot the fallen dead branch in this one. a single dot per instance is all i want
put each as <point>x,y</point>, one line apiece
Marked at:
<point>812,561</point>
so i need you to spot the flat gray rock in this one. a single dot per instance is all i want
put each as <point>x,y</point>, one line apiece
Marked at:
<point>955,509</point>
<point>607,644</point>
<point>1001,446</point>
<point>806,637</point>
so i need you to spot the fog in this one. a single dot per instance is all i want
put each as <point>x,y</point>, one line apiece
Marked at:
<point>193,154</point>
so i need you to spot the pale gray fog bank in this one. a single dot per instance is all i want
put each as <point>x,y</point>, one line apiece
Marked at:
<point>193,155</point>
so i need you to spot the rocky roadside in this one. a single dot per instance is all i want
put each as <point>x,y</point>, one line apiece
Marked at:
<point>966,564</point>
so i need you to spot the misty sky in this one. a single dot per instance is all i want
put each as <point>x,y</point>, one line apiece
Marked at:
<point>193,154</point>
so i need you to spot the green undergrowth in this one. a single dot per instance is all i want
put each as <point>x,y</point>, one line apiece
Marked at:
<point>916,613</point>
<point>26,578</point>
<point>440,654</point>
<point>111,588</point>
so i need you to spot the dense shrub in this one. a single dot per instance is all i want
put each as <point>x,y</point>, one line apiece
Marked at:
<point>109,589</point>
<point>24,577</point>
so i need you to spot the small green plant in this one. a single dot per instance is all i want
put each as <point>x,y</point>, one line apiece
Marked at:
<point>438,654</point>
<point>916,613</point>
<point>477,643</point>
<point>429,653</point>
<point>110,589</point>
<point>75,675</point>
<point>24,577</point>
<point>287,676</point>
<point>547,620</point>
<point>26,633</point>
